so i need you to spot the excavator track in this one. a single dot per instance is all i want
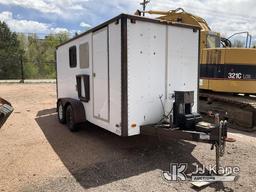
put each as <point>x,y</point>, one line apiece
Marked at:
<point>241,110</point>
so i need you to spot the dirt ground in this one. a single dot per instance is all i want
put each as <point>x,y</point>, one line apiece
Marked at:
<point>39,154</point>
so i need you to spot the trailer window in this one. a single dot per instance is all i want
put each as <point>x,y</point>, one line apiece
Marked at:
<point>72,56</point>
<point>83,87</point>
<point>84,55</point>
<point>213,41</point>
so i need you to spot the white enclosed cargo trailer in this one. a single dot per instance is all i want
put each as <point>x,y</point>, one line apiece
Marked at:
<point>131,74</point>
<point>125,69</point>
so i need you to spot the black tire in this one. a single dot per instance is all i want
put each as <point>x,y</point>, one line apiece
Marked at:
<point>70,119</point>
<point>61,113</point>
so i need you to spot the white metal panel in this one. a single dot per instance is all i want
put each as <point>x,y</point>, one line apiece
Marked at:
<point>161,59</point>
<point>115,77</point>
<point>159,62</point>
<point>113,124</point>
<point>183,62</point>
<point>66,76</point>
<point>66,84</point>
<point>146,73</point>
<point>100,74</point>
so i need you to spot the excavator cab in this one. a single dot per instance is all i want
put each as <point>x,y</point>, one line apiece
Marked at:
<point>213,40</point>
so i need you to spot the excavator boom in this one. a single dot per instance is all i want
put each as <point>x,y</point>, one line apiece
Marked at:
<point>180,15</point>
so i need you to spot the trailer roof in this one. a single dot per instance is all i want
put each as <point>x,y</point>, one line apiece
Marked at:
<point>134,17</point>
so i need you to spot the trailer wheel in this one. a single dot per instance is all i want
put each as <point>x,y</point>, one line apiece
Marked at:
<point>70,119</point>
<point>61,113</point>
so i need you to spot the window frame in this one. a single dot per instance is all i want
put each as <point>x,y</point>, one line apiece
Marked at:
<point>82,56</point>
<point>73,56</point>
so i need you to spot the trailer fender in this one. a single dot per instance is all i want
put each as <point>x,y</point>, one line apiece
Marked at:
<point>77,106</point>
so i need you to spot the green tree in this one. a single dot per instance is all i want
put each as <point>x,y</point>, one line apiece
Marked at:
<point>49,44</point>
<point>39,57</point>
<point>10,53</point>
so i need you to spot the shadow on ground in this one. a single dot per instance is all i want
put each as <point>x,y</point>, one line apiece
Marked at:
<point>249,134</point>
<point>96,157</point>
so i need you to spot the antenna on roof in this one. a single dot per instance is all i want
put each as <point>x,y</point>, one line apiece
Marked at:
<point>144,4</point>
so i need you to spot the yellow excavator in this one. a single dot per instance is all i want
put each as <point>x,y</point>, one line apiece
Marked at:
<point>225,72</point>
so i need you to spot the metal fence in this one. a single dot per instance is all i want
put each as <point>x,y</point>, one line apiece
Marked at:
<point>18,68</point>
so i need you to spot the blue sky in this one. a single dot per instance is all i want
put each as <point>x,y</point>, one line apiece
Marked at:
<point>50,16</point>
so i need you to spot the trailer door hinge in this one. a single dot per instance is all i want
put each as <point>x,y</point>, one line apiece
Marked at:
<point>133,21</point>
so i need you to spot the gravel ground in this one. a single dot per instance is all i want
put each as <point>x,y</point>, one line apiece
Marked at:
<point>39,154</point>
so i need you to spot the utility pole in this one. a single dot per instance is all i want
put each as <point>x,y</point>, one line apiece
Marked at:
<point>144,4</point>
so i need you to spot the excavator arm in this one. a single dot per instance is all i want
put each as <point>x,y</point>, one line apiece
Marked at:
<point>179,15</point>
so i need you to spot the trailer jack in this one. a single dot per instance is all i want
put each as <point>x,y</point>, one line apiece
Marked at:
<point>188,125</point>
<point>214,134</point>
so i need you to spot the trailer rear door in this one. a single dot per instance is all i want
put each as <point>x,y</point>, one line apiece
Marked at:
<point>101,74</point>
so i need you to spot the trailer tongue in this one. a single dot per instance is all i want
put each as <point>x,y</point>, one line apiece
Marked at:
<point>189,126</point>
<point>5,110</point>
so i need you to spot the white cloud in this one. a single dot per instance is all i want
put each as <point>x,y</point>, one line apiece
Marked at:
<point>40,5</point>
<point>226,16</point>
<point>59,7</point>
<point>58,30</point>
<point>28,26</point>
<point>83,24</point>
<point>23,25</point>
<point>6,15</point>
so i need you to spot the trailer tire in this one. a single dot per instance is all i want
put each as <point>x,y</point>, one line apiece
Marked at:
<point>61,113</point>
<point>70,119</point>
